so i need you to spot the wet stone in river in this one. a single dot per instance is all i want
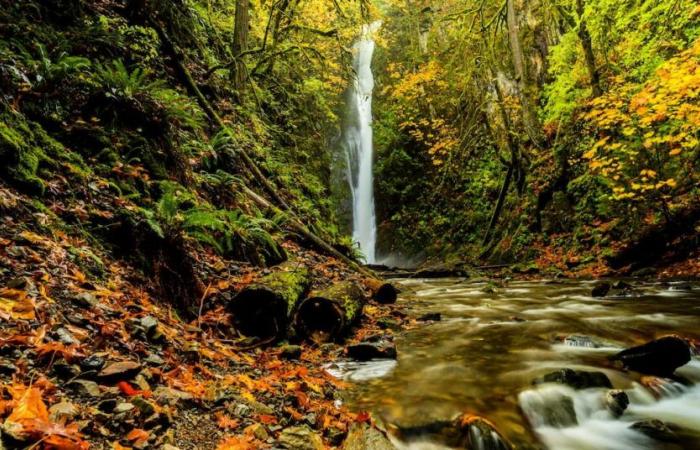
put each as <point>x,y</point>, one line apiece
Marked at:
<point>577,379</point>
<point>660,357</point>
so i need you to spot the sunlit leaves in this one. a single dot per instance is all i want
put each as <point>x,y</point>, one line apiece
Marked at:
<point>649,130</point>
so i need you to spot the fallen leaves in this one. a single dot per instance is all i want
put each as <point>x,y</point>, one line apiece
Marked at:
<point>15,304</point>
<point>29,422</point>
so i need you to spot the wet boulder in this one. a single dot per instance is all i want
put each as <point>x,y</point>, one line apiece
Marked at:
<point>365,437</point>
<point>655,429</point>
<point>465,431</point>
<point>600,289</point>
<point>578,340</point>
<point>660,357</point>
<point>365,351</point>
<point>430,317</point>
<point>577,379</point>
<point>616,401</point>
<point>479,433</point>
<point>551,406</point>
<point>300,438</point>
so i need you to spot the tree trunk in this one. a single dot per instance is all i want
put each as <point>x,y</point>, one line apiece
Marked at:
<point>263,308</point>
<point>240,45</point>
<point>326,314</point>
<point>585,38</point>
<point>522,75</point>
<point>514,161</point>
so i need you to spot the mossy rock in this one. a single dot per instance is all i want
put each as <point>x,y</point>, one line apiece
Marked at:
<point>28,151</point>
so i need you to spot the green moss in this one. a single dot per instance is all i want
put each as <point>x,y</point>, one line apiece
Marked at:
<point>28,150</point>
<point>22,158</point>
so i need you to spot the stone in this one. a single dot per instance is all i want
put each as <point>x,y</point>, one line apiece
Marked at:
<point>154,360</point>
<point>170,396</point>
<point>149,324</point>
<point>600,289</point>
<point>300,438</point>
<point>617,401</point>
<point>365,437</point>
<point>479,433</point>
<point>119,371</point>
<point>365,351</point>
<point>85,387</point>
<point>660,357</point>
<point>63,410</point>
<point>430,317</point>
<point>577,340</point>
<point>147,408</point>
<point>577,379</point>
<point>65,337</point>
<point>123,407</point>
<point>387,323</point>
<point>65,370</point>
<point>92,363</point>
<point>291,352</point>
<point>85,300</point>
<point>655,429</point>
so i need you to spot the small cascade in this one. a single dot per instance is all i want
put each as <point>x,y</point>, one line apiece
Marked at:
<point>357,143</point>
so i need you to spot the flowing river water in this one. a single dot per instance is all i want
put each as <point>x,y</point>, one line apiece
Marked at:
<point>491,343</point>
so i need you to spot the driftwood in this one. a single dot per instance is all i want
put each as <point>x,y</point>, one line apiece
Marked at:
<point>382,292</point>
<point>326,314</point>
<point>263,308</point>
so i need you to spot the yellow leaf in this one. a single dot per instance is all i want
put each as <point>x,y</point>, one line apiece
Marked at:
<point>16,305</point>
<point>674,152</point>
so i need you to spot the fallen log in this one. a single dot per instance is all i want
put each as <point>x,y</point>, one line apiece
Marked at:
<point>382,292</point>
<point>263,308</point>
<point>326,314</point>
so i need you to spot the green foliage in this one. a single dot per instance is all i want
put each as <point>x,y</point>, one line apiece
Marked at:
<point>229,232</point>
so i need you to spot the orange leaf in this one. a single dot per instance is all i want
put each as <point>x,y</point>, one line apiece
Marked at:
<point>137,436</point>
<point>29,417</point>
<point>225,422</point>
<point>267,419</point>
<point>235,443</point>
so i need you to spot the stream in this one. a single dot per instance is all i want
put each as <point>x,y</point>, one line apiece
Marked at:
<point>493,341</point>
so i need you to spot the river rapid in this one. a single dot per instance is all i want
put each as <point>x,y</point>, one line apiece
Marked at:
<point>493,340</point>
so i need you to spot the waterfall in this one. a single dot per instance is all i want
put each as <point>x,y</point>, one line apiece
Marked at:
<point>357,142</point>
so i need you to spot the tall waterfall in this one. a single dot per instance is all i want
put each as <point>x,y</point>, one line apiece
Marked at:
<point>357,141</point>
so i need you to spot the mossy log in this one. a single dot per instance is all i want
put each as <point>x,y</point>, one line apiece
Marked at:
<point>326,314</point>
<point>263,308</point>
<point>382,292</point>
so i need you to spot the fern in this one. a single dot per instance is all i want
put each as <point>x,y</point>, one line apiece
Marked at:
<point>122,83</point>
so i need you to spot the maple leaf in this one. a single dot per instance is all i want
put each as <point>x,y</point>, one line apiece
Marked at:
<point>69,353</point>
<point>236,443</point>
<point>29,417</point>
<point>224,422</point>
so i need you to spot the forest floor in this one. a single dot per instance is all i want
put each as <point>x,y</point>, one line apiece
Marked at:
<point>102,360</point>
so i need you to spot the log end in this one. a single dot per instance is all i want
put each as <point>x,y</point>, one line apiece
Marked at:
<point>259,312</point>
<point>386,294</point>
<point>319,319</point>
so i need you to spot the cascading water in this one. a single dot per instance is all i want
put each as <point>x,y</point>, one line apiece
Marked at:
<point>357,142</point>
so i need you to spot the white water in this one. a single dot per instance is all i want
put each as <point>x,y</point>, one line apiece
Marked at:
<point>357,139</point>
